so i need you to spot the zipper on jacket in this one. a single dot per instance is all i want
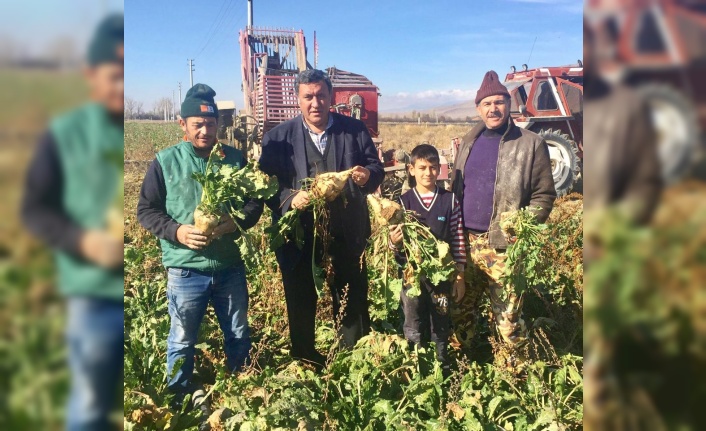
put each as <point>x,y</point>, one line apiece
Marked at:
<point>495,184</point>
<point>202,165</point>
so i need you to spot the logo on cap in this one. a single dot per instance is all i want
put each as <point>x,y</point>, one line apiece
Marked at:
<point>207,108</point>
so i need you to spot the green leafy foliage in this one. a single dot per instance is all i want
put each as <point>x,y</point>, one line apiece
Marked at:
<point>227,188</point>
<point>288,224</point>
<point>524,256</point>
<point>427,257</point>
<point>546,256</point>
<point>289,228</point>
<point>549,397</point>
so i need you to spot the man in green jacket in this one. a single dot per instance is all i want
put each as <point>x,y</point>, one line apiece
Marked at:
<point>201,268</point>
<point>73,203</point>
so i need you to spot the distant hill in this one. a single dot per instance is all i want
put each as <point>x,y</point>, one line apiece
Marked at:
<point>457,111</point>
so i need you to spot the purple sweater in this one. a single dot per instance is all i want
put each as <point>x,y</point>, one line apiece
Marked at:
<point>479,180</point>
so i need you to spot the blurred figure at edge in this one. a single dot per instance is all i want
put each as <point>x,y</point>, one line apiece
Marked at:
<point>73,203</point>
<point>623,180</point>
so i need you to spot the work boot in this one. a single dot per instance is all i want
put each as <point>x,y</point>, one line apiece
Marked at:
<point>315,359</point>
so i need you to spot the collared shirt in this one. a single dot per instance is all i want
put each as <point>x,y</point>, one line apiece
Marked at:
<point>320,139</point>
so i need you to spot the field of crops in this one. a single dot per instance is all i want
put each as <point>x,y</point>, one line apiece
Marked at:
<point>407,136</point>
<point>380,384</point>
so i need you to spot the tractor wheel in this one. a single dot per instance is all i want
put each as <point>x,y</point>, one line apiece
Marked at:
<point>674,120</point>
<point>563,153</point>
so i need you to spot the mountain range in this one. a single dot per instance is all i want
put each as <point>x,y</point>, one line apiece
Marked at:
<point>454,111</point>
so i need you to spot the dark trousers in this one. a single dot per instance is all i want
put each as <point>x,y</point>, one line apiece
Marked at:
<point>427,317</point>
<point>300,294</point>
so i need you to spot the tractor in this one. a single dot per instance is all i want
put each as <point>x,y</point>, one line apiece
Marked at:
<point>657,48</point>
<point>549,102</point>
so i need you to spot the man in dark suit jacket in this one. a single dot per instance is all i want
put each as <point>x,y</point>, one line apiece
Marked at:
<point>315,142</point>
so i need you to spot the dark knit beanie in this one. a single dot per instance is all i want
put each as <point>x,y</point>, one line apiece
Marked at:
<point>199,102</point>
<point>107,43</point>
<point>491,86</point>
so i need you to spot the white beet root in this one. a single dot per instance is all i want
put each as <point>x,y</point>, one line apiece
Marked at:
<point>206,223</point>
<point>385,211</point>
<point>330,184</point>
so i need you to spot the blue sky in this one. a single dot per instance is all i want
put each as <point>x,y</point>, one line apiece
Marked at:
<point>35,24</point>
<point>419,53</point>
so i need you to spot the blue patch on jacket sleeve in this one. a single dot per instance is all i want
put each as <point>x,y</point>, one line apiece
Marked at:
<point>442,218</point>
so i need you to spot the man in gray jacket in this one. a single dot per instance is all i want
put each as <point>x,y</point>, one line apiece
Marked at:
<point>499,168</point>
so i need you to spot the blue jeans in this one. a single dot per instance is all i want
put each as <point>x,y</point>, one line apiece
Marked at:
<point>189,292</point>
<point>95,336</point>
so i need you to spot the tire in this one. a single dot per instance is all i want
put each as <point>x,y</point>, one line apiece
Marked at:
<point>674,120</point>
<point>566,165</point>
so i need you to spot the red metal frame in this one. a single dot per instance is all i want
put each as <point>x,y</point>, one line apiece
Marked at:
<point>561,74</point>
<point>270,96</point>
<point>347,85</point>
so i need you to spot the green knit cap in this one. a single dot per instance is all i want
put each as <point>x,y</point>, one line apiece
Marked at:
<point>199,102</point>
<point>107,43</point>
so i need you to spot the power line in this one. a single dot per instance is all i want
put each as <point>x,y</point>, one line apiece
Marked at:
<point>218,25</point>
<point>213,23</point>
<point>231,30</point>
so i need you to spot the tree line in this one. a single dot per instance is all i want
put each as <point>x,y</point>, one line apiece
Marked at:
<point>418,117</point>
<point>161,109</point>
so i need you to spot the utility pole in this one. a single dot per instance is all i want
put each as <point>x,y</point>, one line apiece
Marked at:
<point>191,72</point>
<point>179,100</point>
<point>173,107</point>
<point>249,14</point>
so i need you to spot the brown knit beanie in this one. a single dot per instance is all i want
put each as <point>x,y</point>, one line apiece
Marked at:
<point>491,86</point>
